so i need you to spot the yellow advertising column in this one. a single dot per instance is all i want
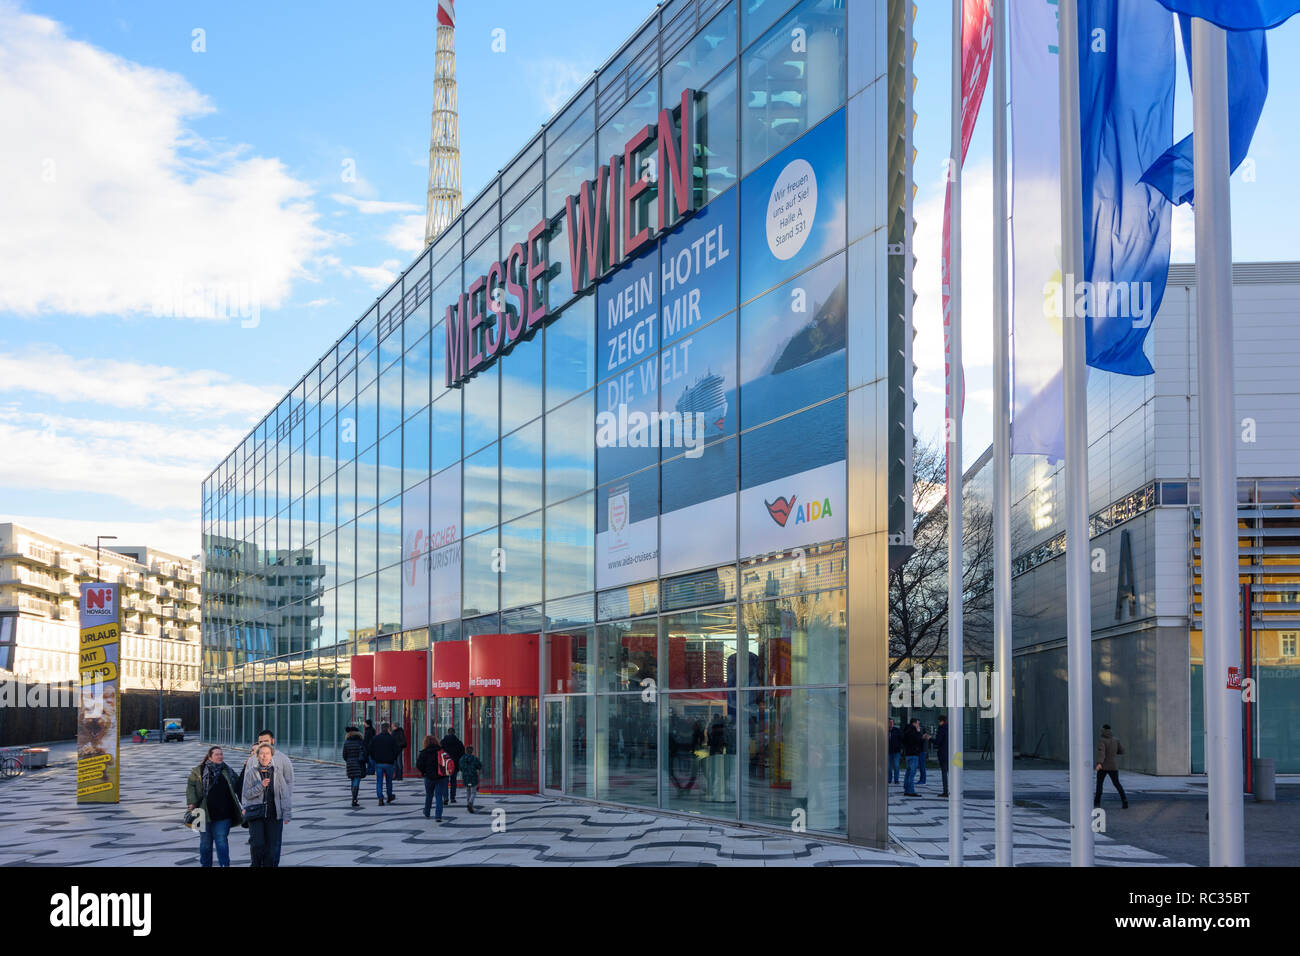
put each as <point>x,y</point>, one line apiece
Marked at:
<point>97,725</point>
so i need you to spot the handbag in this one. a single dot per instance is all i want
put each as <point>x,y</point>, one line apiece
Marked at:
<point>256,812</point>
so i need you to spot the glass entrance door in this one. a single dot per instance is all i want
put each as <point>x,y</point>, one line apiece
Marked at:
<point>503,733</point>
<point>555,744</point>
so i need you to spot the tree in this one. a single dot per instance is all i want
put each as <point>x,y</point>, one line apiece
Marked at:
<point>918,586</point>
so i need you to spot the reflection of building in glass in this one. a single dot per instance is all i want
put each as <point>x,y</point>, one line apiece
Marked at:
<point>690,606</point>
<point>1148,681</point>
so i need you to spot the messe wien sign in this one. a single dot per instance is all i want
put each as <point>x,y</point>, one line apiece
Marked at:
<point>635,196</point>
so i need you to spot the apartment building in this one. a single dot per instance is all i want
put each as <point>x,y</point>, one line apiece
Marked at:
<point>39,617</point>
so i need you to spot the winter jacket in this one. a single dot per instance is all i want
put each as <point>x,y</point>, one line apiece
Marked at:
<point>895,740</point>
<point>383,749</point>
<point>282,789</point>
<point>354,755</point>
<point>427,763</point>
<point>212,801</point>
<point>941,742</point>
<point>452,744</point>
<point>913,742</point>
<point>469,769</point>
<point>1108,748</point>
<point>369,736</point>
<point>399,737</point>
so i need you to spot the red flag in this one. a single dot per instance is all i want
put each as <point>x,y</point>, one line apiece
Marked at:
<point>976,58</point>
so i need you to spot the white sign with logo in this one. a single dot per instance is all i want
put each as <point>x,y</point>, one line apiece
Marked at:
<point>629,550</point>
<point>800,509</point>
<point>444,539</point>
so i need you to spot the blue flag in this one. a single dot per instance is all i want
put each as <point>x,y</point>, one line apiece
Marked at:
<point>1173,173</point>
<point>1237,14</point>
<point>1126,96</point>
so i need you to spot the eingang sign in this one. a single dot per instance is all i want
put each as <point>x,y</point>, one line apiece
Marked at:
<point>607,222</point>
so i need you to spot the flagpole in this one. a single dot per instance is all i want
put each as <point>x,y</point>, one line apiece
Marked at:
<point>956,392</point>
<point>1219,574</point>
<point>1078,586</point>
<point>1004,836</point>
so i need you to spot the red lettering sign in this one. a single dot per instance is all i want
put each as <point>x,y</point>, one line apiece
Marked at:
<point>97,597</point>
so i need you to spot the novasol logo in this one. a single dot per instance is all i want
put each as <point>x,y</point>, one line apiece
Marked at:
<point>76,909</point>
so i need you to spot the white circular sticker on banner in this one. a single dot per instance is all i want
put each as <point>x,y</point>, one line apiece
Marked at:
<point>791,209</point>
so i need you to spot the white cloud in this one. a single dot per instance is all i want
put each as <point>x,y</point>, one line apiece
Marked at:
<point>372,207</point>
<point>112,199</point>
<point>407,234</point>
<point>553,81</point>
<point>1183,227</point>
<point>150,467</point>
<point>51,373</point>
<point>377,277</point>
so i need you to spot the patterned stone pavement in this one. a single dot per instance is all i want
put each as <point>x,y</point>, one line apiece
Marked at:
<point>41,825</point>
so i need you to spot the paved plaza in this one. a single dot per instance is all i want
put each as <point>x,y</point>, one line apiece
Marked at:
<point>41,825</point>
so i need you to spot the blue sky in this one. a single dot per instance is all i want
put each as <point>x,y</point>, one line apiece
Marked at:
<point>284,165</point>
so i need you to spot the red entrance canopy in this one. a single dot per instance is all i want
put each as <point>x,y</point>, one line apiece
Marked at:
<point>450,669</point>
<point>401,675</point>
<point>503,665</point>
<point>363,677</point>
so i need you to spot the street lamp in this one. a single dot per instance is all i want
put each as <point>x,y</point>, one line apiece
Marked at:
<point>99,538</point>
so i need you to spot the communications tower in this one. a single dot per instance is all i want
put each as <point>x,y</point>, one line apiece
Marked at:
<point>444,142</point>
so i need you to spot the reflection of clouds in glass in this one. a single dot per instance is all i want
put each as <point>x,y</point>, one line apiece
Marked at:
<point>481,491</point>
<point>570,548</point>
<point>834,227</point>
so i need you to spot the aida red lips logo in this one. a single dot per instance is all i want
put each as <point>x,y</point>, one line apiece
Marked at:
<point>780,509</point>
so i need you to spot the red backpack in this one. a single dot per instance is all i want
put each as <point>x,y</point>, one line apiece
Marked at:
<point>446,766</point>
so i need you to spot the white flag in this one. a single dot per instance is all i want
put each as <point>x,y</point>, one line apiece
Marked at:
<point>1037,399</point>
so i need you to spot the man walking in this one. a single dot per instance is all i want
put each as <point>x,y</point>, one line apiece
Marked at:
<point>399,737</point>
<point>941,745</point>
<point>455,750</point>
<point>1108,748</point>
<point>895,750</point>
<point>366,737</point>
<point>914,751</point>
<point>383,751</point>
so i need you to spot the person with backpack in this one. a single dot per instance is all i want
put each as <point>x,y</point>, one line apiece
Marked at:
<point>469,769</point>
<point>431,763</point>
<point>455,750</point>
<point>354,756</point>
<point>213,788</point>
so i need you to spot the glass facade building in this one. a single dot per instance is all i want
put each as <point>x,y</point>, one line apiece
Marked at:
<point>670,469</point>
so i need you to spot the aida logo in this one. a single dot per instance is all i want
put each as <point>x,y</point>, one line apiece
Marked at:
<point>782,510</point>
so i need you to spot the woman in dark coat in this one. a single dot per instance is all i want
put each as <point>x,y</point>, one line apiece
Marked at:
<point>354,755</point>
<point>212,787</point>
<point>435,780</point>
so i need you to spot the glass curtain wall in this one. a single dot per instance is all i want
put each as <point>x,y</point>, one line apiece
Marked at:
<point>693,587</point>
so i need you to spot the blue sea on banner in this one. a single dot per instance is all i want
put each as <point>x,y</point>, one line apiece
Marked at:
<point>815,437</point>
<point>792,208</point>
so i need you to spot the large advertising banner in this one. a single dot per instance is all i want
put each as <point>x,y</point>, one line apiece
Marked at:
<point>97,725</point>
<point>793,208</point>
<point>444,541</point>
<point>416,544</point>
<point>627,530</point>
<point>698,526</point>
